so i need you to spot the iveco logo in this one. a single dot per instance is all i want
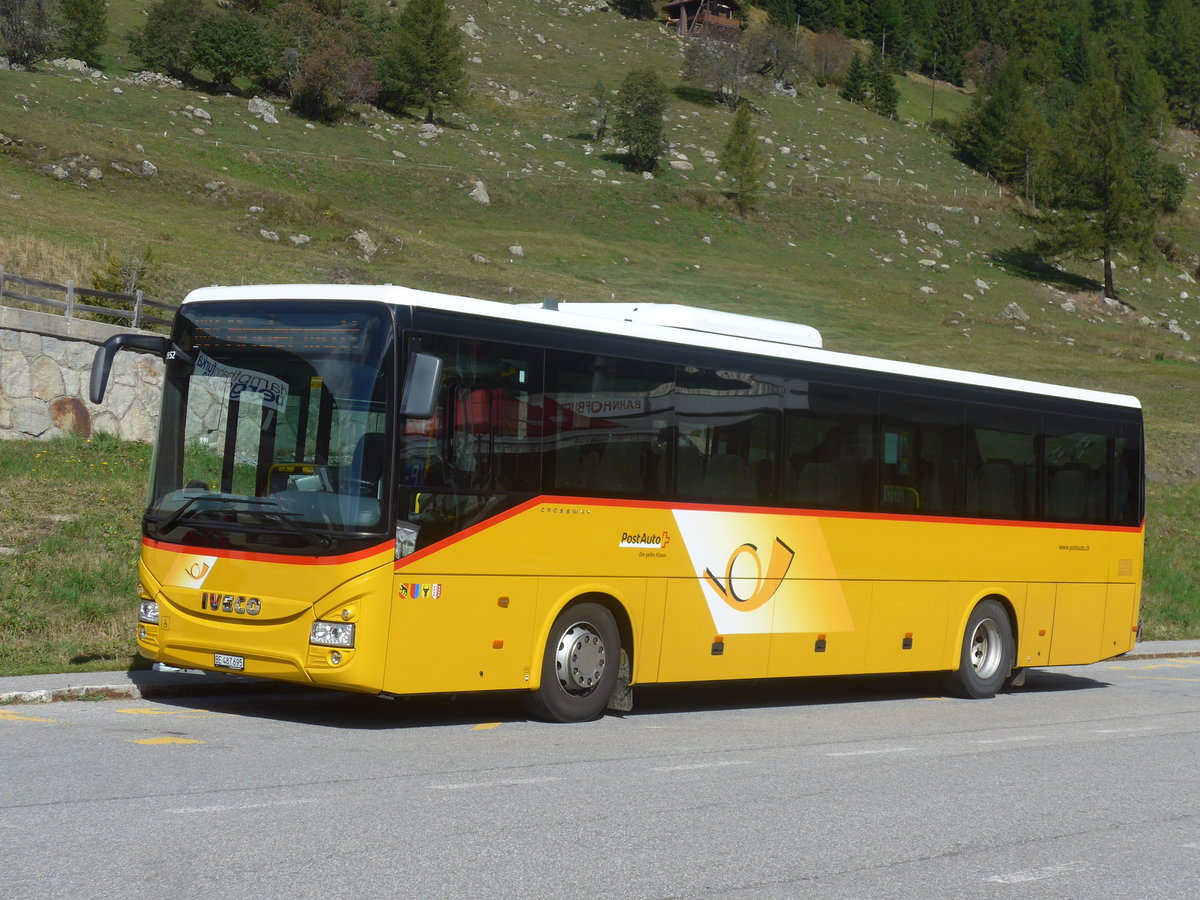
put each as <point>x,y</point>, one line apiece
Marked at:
<point>230,603</point>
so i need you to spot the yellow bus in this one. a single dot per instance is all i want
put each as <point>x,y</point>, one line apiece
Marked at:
<point>397,492</point>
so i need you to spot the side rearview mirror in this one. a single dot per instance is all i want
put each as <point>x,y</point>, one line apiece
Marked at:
<point>422,381</point>
<point>102,363</point>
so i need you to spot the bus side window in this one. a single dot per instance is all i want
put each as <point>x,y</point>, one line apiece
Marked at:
<point>1077,458</point>
<point>728,422</point>
<point>830,446</point>
<point>604,421</point>
<point>1003,469</point>
<point>921,454</point>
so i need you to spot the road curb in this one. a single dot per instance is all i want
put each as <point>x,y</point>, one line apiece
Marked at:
<point>155,688</point>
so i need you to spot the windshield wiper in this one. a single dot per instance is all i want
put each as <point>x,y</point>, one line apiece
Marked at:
<point>317,540</point>
<point>172,520</point>
<point>278,515</point>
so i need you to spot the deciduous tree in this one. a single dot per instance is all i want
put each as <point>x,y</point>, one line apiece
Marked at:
<point>165,42</point>
<point>230,44</point>
<point>29,29</point>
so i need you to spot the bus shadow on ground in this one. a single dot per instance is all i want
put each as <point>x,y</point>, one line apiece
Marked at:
<point>335,709</point>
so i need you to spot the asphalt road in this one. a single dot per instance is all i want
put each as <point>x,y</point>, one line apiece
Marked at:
<point>1083,784</point>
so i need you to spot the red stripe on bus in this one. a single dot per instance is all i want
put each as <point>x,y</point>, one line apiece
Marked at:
<point>755,510</point>
<point>341,559</point>
<point>467,532</point>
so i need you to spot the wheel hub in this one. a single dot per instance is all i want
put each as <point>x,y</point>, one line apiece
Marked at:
<point>580,659</point>
<point>986,647</point>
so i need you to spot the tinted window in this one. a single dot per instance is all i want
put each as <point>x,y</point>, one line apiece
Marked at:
<point>608,424</point>
<point>728,430</point>
<point>1002,462</point>
<point>830,433</point>
<point>920,455</point>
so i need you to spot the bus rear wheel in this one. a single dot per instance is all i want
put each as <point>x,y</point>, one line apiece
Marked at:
<point>579,667</point>
<point>987,654</point>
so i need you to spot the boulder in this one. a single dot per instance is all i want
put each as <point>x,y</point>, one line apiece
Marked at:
<point>1014,312</point>
<point>261,109</point>
<point>479,194</point>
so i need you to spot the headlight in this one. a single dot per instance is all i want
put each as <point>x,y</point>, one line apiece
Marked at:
<point>332,634</point>
<point>148,612</point>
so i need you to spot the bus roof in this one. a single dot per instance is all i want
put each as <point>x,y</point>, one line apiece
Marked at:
<point>668,323</point>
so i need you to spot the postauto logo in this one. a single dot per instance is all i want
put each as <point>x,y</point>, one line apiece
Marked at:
<point>645,540</point>
<point>744,591</point>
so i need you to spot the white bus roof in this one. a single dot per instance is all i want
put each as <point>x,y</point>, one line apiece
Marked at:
<point>669,323</point>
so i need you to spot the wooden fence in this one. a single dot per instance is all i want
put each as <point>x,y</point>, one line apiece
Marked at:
<point>136,309</point>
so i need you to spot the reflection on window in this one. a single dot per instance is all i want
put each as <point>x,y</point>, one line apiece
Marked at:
<point>608,425</point>
<point>728,426</point>
<point>830,448</point>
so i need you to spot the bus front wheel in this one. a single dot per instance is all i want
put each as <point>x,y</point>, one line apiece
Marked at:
<point>579,667</point>
<point>987,653</point>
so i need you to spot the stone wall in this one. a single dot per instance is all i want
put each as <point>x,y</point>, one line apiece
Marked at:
<point>45,369</point>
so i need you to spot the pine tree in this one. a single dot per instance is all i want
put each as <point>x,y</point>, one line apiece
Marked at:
<point>85,29</point>
<point>638,118</point>
<point>781,12</point>
<point>1021,157</point>
<point>1099,206</point>
<point>885,96</point>
<point>1174,52</point>
<point>423,62</point>
<point>984,129</point>
<point>854,86</point>
<point>952,32</point>
<point>742,160</point>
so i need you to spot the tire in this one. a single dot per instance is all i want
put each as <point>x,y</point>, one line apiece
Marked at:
<point>986,658</point>
<point>579,667</point>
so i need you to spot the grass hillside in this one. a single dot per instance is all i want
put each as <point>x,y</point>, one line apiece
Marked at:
<point>870,229</point>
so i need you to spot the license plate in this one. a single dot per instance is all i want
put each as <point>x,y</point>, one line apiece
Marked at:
<point>225,661</point>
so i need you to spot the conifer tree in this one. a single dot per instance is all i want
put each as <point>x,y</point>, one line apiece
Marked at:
<point>1022,156</point>
<point>638,118</point>
<point>854,86</point>
<point>885,96</point>
<point>423,62</point>
<point>85,29</point>
<point>742,160</point>
<point>1099,208</point>
<point>781,12</point>
<point>1176,57</point>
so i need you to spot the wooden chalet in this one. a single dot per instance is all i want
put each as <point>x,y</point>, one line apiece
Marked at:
<point>706,18</point>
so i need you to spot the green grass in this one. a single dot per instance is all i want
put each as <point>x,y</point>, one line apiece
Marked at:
<point>855,207</point>
<point>69,523</point>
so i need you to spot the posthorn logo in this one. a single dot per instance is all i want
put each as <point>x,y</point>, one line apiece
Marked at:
<point>746,586</point>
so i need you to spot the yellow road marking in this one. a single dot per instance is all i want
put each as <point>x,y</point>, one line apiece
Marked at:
<point>486,726</point>
<point>7,716</point>
<point>1172,664</point>
<point>1162,678</point>
<point>166,740</point>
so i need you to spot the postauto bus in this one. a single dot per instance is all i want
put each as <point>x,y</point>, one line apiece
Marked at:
<point>398,492</point>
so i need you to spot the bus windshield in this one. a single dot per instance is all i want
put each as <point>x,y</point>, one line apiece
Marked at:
<point>274,432</point>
